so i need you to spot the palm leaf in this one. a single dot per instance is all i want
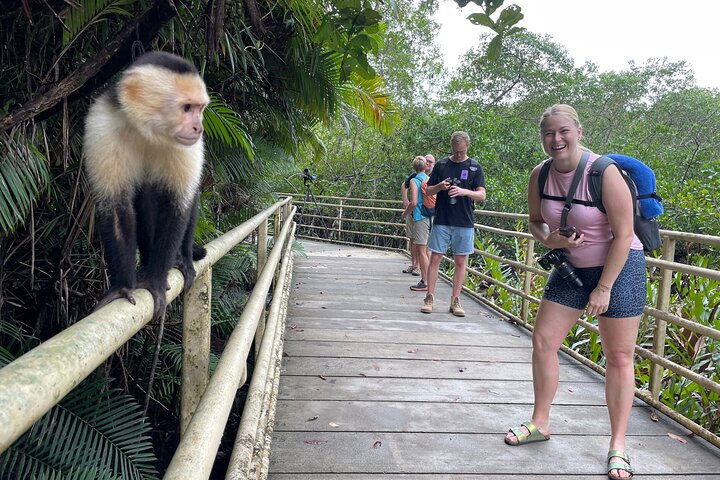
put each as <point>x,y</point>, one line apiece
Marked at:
<point>369,100</point>
<point>89,434</point>
<point>23,174</point>
<point>78,17</point>
<point>222,124</point>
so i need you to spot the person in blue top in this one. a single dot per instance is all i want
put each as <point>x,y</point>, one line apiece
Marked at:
<point>459,182</point>
<point>417,225</point>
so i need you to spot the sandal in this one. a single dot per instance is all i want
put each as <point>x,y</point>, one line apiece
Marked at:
<point>409,269</point>
<point>535,435</point>
<point>624,465</point>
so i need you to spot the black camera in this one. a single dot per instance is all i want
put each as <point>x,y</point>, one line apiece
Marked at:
<point>308,177</point>
<point>454,182</point>
<point>557,258</point>
<point>569,232</point>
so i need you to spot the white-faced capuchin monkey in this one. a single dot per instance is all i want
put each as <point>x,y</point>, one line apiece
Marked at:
<point>144,156</point>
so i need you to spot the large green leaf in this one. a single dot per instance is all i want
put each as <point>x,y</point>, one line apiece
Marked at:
<point>223,124</point>
<point>23,174</point>
<point>79,15</point>
<point>92,433</point>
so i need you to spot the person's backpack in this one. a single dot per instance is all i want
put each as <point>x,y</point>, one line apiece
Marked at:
<point>427,209</point>
<point>641,181</point>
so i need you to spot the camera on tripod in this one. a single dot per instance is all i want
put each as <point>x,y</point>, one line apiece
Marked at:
<point>558,259</point>
<point>454,183</point>
<point>308,177</point>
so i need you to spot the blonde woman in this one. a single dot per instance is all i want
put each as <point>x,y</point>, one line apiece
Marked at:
<point>608,259</point>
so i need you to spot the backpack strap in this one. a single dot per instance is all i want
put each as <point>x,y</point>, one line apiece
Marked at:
<point>595,183</point>
<point>579,172</point>
<point>542,180</point>
<point>650,195</point>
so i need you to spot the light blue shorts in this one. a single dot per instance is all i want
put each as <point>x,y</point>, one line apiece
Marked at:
<point>462,239</point>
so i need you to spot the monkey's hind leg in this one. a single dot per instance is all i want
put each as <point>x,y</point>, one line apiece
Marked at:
<point>171,220</point>
<point>118,233</point>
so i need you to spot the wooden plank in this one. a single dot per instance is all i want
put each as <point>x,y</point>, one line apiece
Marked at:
<point>391,368</point>
<point>510,339</point>
<point>435,417</point>
<point>443,453</point>
<point>416,351</point>
<point>429,323</point>
<point>433,390</point>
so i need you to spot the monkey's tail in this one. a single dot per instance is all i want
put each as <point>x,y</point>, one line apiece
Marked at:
<point>198,252</point>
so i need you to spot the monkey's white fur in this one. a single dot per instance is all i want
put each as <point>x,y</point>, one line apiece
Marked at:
<point>138,143</point>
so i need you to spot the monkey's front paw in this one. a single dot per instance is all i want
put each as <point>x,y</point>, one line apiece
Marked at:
<point>114,294</point>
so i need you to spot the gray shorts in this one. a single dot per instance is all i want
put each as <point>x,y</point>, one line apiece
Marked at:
<point>627,298</point>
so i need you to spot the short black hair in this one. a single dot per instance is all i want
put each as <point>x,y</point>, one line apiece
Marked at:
<point>167,60</point>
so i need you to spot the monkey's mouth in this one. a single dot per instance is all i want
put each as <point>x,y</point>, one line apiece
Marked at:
<point>187,141</point>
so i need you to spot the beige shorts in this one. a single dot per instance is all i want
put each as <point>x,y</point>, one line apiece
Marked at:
<point>418,231</point>
<point>409,227</point>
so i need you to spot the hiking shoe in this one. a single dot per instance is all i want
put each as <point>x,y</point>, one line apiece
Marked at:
<point>455,307</point>
<point>420,287</point>
<point>428,303</point>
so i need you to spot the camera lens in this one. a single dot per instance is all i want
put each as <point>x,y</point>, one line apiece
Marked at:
<point>567,273</point>
<point>455,182</point>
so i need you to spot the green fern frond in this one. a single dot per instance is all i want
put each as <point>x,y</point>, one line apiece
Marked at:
<point>89,432</point>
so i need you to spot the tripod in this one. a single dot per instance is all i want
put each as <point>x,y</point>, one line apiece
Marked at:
<point>309,196</point>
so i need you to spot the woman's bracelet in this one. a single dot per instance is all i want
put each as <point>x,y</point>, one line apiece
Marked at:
<point>603,288</point>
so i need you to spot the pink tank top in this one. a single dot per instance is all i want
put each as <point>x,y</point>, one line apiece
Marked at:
<point>588,220</point>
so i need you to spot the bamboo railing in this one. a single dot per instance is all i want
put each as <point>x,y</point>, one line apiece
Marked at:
<point>337,219</point>
<point>32,384</point>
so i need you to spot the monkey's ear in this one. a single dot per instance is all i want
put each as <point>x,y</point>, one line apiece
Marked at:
<point>130,88</point>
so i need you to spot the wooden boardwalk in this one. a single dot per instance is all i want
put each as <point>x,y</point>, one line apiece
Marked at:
<point>373,389</point>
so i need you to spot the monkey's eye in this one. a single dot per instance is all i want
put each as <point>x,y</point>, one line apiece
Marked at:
<point>187,107</point>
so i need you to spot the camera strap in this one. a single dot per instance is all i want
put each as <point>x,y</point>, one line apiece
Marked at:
<point>579,171</point>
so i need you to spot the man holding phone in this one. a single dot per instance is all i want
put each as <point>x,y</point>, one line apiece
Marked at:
<point>459,182</point>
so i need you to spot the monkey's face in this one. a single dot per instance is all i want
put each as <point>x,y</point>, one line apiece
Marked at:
<point>164,106</point>
<point>189,129</point>
<point>189,101</point>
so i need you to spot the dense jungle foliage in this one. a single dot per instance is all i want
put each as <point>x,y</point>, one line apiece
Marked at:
<point>351,90</point>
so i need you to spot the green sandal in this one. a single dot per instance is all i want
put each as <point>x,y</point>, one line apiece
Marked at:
<point>535,435</point>
<point>625,465</point>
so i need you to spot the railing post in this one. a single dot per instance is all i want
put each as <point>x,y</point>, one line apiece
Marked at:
<point>527,279</point>
<point>261,260</point>
<point>196,346</point>
<point>663,302</point>
<point>262,246</point>
<point>340,221</point>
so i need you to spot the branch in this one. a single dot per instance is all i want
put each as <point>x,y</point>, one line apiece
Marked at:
<point>107,62</point>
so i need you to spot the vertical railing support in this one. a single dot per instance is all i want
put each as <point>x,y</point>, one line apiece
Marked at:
<point>261,260</point>
<point>279,218</point>
<point>527,280</point>
<point>196,346</point>
<point>262,246</point>
<point>663,302</point>
<point>340,219</point>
